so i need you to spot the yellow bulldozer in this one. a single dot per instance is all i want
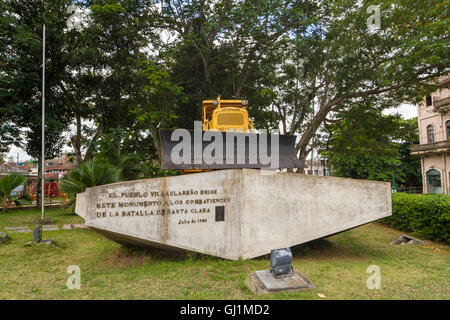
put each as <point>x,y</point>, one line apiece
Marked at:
<point>226,115</point>
<point>226,139</point>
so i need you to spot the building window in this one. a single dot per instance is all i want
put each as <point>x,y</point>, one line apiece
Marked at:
<point>430,134</point>
<point>447,126</point>
<point>434,181</point>
<point>429,101</point>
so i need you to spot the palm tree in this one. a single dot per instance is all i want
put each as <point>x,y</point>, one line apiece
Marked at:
<point>88,174</point>
<point>8,184</point>
<point>131,168</point>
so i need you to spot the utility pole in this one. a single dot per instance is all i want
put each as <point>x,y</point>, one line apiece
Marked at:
<point>43,124</point>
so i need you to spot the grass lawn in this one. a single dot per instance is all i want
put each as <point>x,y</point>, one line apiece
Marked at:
<point>337,265</point>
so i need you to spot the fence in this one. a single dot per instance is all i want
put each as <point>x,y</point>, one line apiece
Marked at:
<point>407,190</point>
<point>28,198</point>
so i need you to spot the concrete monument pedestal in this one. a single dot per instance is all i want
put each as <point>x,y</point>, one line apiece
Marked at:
<point>233,214</point>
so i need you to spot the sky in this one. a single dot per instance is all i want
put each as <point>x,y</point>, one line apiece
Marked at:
<point>407,111</point>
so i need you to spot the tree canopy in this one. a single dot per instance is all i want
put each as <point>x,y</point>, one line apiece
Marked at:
<point>135,66</point>
<point>363,143</point>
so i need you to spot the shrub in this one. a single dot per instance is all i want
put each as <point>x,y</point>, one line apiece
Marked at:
<point>427,216</point>
<point>8,184</point>
<point>88,174</point>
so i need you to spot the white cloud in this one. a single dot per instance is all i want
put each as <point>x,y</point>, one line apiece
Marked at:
<point>407,111</point>
<point>23,156</point>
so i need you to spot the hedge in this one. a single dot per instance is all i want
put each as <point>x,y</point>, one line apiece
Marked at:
<point>427,216</point>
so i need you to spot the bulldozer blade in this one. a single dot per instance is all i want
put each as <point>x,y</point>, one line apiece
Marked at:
<point>189,150</point>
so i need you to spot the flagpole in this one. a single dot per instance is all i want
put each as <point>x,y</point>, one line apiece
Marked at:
<point>43,123</point>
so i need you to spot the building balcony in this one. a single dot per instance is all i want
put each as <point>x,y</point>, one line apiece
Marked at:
<point>436,147</point>
<point>441,105</point>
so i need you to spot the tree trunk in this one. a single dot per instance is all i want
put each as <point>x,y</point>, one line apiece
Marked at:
<point>5,201</point>
<point>76,141</point>
<point>156,142</point>
<point>89,154</point>
<point>314,125</point>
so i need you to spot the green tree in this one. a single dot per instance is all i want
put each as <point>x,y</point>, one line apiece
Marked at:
<point>21,91</point>
<point>7,184</point>
<point>134,67</point>
<point>225,47</point>
<point>360,145</point>
<point>110,51</point>
<point>298,62</point>
<point>17,78</point>
<point>410,169</point>
<point>158,101</point>
<point>339,62</point>
<point>363,143</point>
